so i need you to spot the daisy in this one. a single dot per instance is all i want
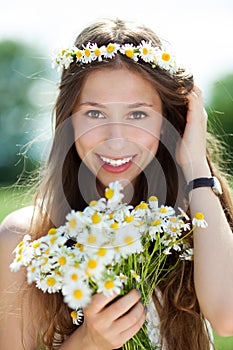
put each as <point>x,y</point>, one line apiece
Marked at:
<point>73,274</point>
<point>129,51</point>
<point>113,195</point>
<point>76,295</point>
<point>77,316</point>
<point>111,50</point>
<point>128,240</point>
<point>93,266</point>
<point>50,283</point>
<point>135,275</point>
<point>199,220</point>
<point>188,254</point>
<point>165,60</point>
<point>88,55</point>
<point>146,51</point>
<point>98,52</point>
<point>110,286</point>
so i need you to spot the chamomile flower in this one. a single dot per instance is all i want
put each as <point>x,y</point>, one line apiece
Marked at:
<point>128,240</point>
<point>146,51</point>
<point>92,266</point>
<point>98,52</point>
<point>188,254</point>
<point>166,60</point>
<point>77,295</point>
<point>199,220</point>
<point>165,211</point>
<point>111,50</point>
<point>87,56</point>
<point>135,275</point>
<point>113,195</point>
<point>77,316</point>
<point>129,51</point>
<point>73,274</point>
<point>50,283</point>
<point>109,286</point>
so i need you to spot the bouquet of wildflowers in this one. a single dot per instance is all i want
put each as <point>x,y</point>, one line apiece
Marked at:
<point>110,247</point>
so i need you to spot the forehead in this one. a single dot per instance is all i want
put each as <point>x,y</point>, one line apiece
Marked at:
<point>118,85</point>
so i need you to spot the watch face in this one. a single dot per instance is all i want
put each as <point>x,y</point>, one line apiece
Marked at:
<point>217,188</point>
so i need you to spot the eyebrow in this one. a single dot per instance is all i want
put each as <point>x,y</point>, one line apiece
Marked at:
<point>130,105</point>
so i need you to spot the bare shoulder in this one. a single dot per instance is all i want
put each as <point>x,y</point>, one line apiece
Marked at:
<point>16,225</point>
<point>13,290</point>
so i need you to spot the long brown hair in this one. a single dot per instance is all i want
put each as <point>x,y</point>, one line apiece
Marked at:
<point>182,323</point>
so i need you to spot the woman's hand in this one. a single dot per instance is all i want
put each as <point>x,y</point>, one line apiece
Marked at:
<point>111,326</point>
<point>191,152</point>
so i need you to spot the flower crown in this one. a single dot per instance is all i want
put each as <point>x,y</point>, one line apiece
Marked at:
<point>91,52</point>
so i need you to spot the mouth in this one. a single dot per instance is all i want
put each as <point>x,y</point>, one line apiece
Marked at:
<point>116,161</point>
<point>116,164</point>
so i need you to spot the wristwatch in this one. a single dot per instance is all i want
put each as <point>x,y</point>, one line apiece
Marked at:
<point>212,182</point>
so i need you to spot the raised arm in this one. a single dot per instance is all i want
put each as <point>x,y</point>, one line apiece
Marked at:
<point>213,246</point>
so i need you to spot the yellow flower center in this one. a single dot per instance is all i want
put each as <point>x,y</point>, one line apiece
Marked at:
<point>74,277</point>
<point>97,52</point>
<point>19,257</point>
<point>52,231</point>
<point>156,222</point>
<point>53,240</point>
<point>92,264</point>
<point>135,275</point>
<point>117,249</point>
<point>109,284</point>
<point>199,216</point>
<point>72,223</point>
<point>129,53</point>
<point>91,239</point>
<point>101,251</point>
<point>163,210</point>
<point>153,198</point>
<point>33,269</point>
<point>95,218</point>
<point>62,260</point>
<point>36,244</point>
<point>166,56</point>
<point>143,205</point>
<point>87,52</point>
<point>173,219</point>
<point>114,225</point>
<point>92,203</point>
<point>110,48</point>
<point>44,261</point>
<point>145,51</point>
<point>129,218</point>
<point>109,192</point>
<point>21,244</point>
<point>73,314</point>
<point>128,240</point>
<point>78,294</point>
<point>51,281</point>
<point>78,54</point>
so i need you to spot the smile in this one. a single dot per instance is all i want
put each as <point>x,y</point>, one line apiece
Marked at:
<point>116,162</point>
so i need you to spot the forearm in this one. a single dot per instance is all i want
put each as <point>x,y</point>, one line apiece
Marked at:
<point>213,260</point>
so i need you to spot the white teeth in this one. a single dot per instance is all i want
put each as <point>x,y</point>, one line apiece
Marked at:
<point>116,162</point>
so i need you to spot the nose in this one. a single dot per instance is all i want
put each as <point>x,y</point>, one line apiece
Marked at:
<point>116,135</point>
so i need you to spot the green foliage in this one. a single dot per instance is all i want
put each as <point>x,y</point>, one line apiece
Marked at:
<point>20,67</point>
<point>220,111</point>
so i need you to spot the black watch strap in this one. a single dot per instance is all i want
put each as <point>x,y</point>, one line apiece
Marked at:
<point>200,182</point>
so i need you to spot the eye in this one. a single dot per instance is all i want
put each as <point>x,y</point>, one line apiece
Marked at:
<point>94,114</point>
<point>137,115</point>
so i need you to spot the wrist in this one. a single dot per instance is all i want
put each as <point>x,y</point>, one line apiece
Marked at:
<point>197,170</point>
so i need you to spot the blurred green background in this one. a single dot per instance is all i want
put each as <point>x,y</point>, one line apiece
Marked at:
<point>27,92</point>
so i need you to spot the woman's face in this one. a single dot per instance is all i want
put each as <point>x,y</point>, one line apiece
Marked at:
<point>117,121</point>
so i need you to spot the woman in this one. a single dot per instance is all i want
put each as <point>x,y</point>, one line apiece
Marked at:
<point>122,116</point>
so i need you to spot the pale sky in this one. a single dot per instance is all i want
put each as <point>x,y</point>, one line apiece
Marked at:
<point>199,31</point>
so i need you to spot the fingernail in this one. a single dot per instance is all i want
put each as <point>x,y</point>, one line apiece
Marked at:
<point>146,309</point>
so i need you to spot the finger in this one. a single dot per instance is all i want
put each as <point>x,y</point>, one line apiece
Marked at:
<point>133,329</point>
<point>123,305</point>
<point>131,318</point>
<point>98,302</point>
